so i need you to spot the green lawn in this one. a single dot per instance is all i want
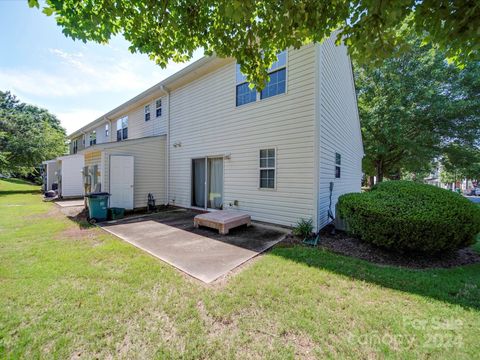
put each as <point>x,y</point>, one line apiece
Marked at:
<point>68,291</point>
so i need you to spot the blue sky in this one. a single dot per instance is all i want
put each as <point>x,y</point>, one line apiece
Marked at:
<point>77,82</point>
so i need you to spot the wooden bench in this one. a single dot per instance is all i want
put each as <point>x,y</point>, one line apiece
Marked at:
<point>222,220</point>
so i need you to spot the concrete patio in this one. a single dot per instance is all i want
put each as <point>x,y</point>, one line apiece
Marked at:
<point>201,253</point>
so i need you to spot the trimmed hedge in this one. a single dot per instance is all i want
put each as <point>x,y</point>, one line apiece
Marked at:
<point>407,216</point>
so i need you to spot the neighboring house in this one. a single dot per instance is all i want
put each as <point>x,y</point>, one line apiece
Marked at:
<point>434,178</point>
<point>49,174</point>
<point>203,139</point>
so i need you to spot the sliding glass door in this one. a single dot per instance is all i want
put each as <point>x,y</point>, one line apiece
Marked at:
<point>207,183</point>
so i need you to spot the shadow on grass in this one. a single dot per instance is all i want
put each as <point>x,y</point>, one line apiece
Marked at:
<point>459,286</point>
<point>18,181</point>
<point>18,192</point>
<point>81,219</point>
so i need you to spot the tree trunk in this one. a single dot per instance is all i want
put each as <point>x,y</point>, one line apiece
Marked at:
<point>371,181</point>
<point>379,171</point>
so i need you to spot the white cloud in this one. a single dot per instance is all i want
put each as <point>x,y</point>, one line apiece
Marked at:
<point>79,86</point>
<point>74,74</point>
<point>76,118</point>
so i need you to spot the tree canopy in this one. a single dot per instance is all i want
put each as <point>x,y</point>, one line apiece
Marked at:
<point>28,136</point>
<point>413,107</point>
<point>254,31</point>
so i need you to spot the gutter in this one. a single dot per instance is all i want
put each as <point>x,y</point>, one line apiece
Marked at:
<point>147,93</point>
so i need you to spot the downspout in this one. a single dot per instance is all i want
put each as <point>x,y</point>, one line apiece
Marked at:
<point>167,160</point>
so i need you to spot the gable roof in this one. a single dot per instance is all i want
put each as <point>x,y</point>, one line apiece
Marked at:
<point>191,72</point>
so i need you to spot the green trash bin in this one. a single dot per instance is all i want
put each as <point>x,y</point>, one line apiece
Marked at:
<point>116,213</point>
<point>97,206</point>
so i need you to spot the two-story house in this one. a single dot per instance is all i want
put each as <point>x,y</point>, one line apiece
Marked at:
<point>203,139</point>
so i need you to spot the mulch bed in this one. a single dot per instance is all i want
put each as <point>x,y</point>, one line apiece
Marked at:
<point>343,244</point>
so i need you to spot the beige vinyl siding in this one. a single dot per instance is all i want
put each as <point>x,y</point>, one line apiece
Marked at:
<point>205,120</point>
<point>95,158</point>
<point>138,127</point>
<point>339,127</point>
<point>149,167</point>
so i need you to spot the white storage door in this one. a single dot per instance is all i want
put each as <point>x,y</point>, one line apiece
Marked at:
<point>121,181</point>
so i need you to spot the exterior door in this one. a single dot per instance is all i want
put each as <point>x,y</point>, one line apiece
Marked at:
<point>215,183</point>
<point>207,183</point>
<point>198,182</point>
<point>121,181</point>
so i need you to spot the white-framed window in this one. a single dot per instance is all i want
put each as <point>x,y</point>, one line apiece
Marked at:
<point>75,146</point>
<point>93,138</point>
<point>158,107</point>
<point>278,77</point>
<point>267,168</point>
<point>338,165</point>
<point>147,112</point>
<point>107,131</point>
<point>276,85</point>
<point>244,94</point>
<point>122,128</point>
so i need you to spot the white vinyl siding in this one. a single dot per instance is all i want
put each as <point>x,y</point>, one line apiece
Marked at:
<point>71,175</point>
<point>207,123</point>
<point>50,168</point>
<point>100,131</point>
<point>339,127</point>
<point>149,167</point>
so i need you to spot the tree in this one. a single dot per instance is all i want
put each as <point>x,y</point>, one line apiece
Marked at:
<point>463,161</point>
<point>28,136</point>
<point>254,31</point>
<point>412,106</point>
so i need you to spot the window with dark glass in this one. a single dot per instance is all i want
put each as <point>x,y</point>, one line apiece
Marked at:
<point>122,128</point>
<point>93,138</point>
<point>75,146</point>
<point>158,108</point>
<point>278,75</point>
<point>338,163</point>
<point>244,94</point>
<point>147,112</point>
<point>267,169</point>
<point>106,131</point>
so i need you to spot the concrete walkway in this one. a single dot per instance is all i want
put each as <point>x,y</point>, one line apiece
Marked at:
<point>201,253</point>
<point>70,203</point>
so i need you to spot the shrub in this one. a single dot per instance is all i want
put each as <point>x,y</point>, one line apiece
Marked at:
<point>408,216</point>
<point>304,228</point>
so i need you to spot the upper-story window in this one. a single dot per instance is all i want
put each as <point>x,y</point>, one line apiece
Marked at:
<point>147,112</point>
<point>278,75</point>
<point>158,107</point>
<point>107,131</point>
<point>74,146</point>
<point>244,94</point>
<point>276,84</point>
<point>93,138</point>
<point>122,128</point>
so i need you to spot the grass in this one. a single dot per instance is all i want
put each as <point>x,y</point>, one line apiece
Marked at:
<point>71,291</point>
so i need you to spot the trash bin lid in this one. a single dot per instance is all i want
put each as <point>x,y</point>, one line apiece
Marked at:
<point>97,194</point>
